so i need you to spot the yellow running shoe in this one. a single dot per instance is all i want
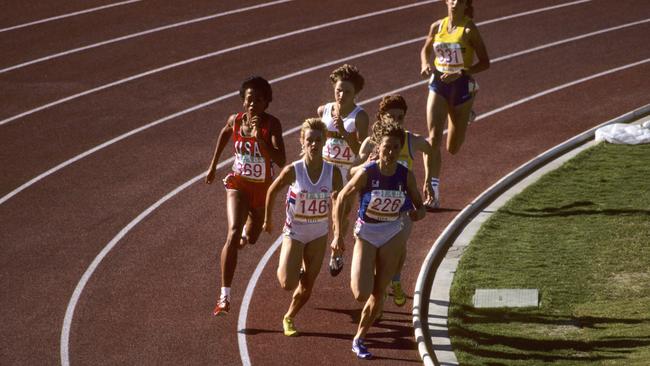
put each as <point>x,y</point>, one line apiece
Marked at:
<point>399,298</point>
<point>289,328</point>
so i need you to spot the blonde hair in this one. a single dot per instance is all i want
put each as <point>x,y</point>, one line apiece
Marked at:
<point>315,124</point>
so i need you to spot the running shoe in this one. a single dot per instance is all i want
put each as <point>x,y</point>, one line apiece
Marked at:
<point>336,265</point>
<point>244,238</point>
<point>223,306</point>
<point>432,204</point>
<point>399,298</point>
<point>289,327</point>
<point>360,349</point>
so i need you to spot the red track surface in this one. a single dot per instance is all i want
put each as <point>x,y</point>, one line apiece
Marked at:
<point>149,300</point>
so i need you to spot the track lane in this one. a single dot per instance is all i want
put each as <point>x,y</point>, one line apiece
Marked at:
<point>67,36</point>
<point>89,124</point>
<point>68,15</point>
<point>16,13</point>
<point>272,332</point>
<point>155,53</point>
<point>25,154</point>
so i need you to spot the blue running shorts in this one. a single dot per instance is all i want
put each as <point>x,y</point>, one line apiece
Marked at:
<point>457,92</point>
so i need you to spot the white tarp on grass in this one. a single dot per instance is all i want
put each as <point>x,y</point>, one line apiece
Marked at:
<point>620,133</point>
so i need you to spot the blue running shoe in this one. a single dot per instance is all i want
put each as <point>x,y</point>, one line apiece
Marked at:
<point>360,349</point>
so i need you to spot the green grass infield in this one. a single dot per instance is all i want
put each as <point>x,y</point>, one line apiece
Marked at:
<point>581,235</point>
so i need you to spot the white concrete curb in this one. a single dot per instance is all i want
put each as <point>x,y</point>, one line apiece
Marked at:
<point>431,295</point>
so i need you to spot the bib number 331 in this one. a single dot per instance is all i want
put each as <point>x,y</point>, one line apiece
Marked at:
<point>449,56</point>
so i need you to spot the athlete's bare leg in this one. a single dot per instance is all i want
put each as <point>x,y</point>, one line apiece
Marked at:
<point>237,209</point>
<point>312,260</point>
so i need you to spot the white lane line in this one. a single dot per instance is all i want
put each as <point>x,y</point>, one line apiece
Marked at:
<point>67,321</point>
<point>68,162</point>
<point>67,15</point>
<point>564,86</point>
<point>69,314</point>
<point>205,56</point>
<point>248,295</point>
<point>139,34</point>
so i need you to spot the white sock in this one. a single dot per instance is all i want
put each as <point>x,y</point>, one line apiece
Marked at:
<point>225,292</point>
<point>243,233</point>
<point>435,185</point>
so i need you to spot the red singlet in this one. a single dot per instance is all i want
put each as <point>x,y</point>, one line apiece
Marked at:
<point>252,172</point>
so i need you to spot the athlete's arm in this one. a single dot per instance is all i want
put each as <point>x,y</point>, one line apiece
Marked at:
<point>414,194</point>
<point>343,200</point>
<point>476,41</point>
<point>276,151</point>
<point>364,151</point>
<point>337,183</point>
<point>427,49</point>
<point>361,123</point>
<point>285,178</point>
<point>222,141</point>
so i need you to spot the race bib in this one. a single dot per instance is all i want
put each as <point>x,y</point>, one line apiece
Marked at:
<point>250,168</point>
<point>385,205</point>
<point>312,207</point>
<point>338,151</point>
<point>449,57</point>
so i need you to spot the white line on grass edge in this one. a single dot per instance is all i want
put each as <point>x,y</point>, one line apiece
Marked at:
<point>459,224</point>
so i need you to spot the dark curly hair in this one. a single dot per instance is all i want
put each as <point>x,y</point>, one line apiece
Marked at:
<point>348,73</point>
<point>259,84</point>
<point>382,129</point>
<point>388,102</point>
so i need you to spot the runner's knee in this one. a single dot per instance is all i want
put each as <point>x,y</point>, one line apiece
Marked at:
<point>360,295</point>
<point>286,282</point>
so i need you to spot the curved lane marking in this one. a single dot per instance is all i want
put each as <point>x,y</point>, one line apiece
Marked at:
<point>67,15</point>
<point>248,295</point>
<point>209,55</point>
<point>139,34</point>
<point>285,77</point>
<point>69,314</point>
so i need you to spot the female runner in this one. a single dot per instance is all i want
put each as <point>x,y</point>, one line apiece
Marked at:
<point>388,193</point>
<point>313,183</point>
<point>392,108</point>
<point>347,126</point>
<point>454,39</point>
<point>257,139</point>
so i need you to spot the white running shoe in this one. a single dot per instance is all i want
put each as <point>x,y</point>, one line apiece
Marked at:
<point>360,349</point>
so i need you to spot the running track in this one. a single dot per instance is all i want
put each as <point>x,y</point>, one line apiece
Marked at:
<point>105,260</point>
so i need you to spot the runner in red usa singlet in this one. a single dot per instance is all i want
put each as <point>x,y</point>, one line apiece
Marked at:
<point>257,141</point>
<point>252,164</point>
